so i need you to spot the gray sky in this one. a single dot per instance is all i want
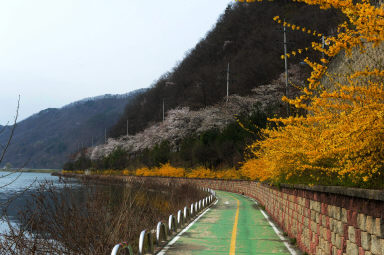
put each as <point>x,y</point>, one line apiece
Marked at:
<point>53,52</point>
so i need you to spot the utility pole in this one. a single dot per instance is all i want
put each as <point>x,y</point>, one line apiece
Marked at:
<point>163,110</point>
<point>228,82</point>
<point>286,65</point>
<point>226,43</point>
<point>105,136</point>
<point>127,128</point>
<point>322,45</point>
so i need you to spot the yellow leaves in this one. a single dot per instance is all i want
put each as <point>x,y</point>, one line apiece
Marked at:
<point>167,170</point>
<point>365,25</point>
<point>342,136</point>
<point>293,53</point>
<point>163,170</point>
<point>255,169</point>
<point>201,172</point>
<point>127,172</point>
<point>296,27</point>
<point>380,115</point>
<point>366,72</point>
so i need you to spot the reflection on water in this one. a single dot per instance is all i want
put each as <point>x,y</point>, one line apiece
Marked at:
<point>91,217</point>
<point>16,189</point>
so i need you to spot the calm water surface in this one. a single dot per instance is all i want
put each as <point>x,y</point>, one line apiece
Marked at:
<point>19,189</point>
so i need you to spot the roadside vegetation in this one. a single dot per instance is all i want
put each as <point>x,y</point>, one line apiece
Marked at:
<point>335,132</point>
<point>92,218</point>
<point>214,148</point>
<point>340,140</point>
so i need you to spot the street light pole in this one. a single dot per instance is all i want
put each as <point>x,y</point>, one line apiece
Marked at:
<point>286,64</point>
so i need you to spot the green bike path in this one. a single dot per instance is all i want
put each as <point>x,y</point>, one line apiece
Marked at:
<point>235,225</point>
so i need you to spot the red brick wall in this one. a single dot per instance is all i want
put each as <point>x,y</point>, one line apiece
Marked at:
<point>321,222</point>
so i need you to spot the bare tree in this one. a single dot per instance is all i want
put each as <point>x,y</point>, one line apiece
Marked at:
<point>12,175</point>
<point>3,150</point>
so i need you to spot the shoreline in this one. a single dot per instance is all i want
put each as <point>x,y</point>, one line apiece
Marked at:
<point>32,170</point>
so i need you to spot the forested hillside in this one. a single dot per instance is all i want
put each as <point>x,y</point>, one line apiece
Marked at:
<point>332,132</point>
<point>46,139</point>
<point>253,49</point>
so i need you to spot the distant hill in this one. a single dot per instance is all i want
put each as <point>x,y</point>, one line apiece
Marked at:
<point>245,36</point>
<point>48,138</point>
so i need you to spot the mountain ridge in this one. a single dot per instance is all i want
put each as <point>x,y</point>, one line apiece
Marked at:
<point>46,139</point>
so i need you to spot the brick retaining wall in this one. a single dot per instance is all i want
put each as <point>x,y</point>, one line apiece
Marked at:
<point>324,220</point>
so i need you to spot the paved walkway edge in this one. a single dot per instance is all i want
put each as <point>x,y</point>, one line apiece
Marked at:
<point>170,243</point>
<point>291,249</point>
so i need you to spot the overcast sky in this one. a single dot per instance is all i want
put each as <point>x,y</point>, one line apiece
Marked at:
<point>54,52</point>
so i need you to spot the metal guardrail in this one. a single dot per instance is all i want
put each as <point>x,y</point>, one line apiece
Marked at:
<point>164,231</point>
<point>145,242</point>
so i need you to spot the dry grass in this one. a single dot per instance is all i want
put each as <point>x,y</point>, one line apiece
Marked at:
<point>91,220</point>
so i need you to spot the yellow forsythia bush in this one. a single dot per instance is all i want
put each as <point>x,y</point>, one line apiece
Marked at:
<point>254,169</point>
<point>168,170</point>
<point>201,172</point>
<point>229,174</point>
<point>144,171</point>
<point>165,170</point>
<point>127,172</point>
<point>341,139</point>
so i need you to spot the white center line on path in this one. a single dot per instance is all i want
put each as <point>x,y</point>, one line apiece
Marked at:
<point>166,248</point>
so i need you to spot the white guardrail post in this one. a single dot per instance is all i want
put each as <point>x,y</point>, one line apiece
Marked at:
<point>120,247</point>
<point>146,242</point>
<point>161,233</point>
<point>186,214</point>
<point>172,224</point>
<point>180,219</point>
<point>192,211</point>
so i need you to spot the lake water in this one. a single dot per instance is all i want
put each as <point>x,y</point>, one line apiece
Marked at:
<point>18,189</point>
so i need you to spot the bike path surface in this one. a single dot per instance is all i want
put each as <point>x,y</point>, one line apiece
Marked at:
<point>235,225</point>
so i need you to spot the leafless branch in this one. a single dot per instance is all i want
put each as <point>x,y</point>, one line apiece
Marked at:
<point>5,148</point>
